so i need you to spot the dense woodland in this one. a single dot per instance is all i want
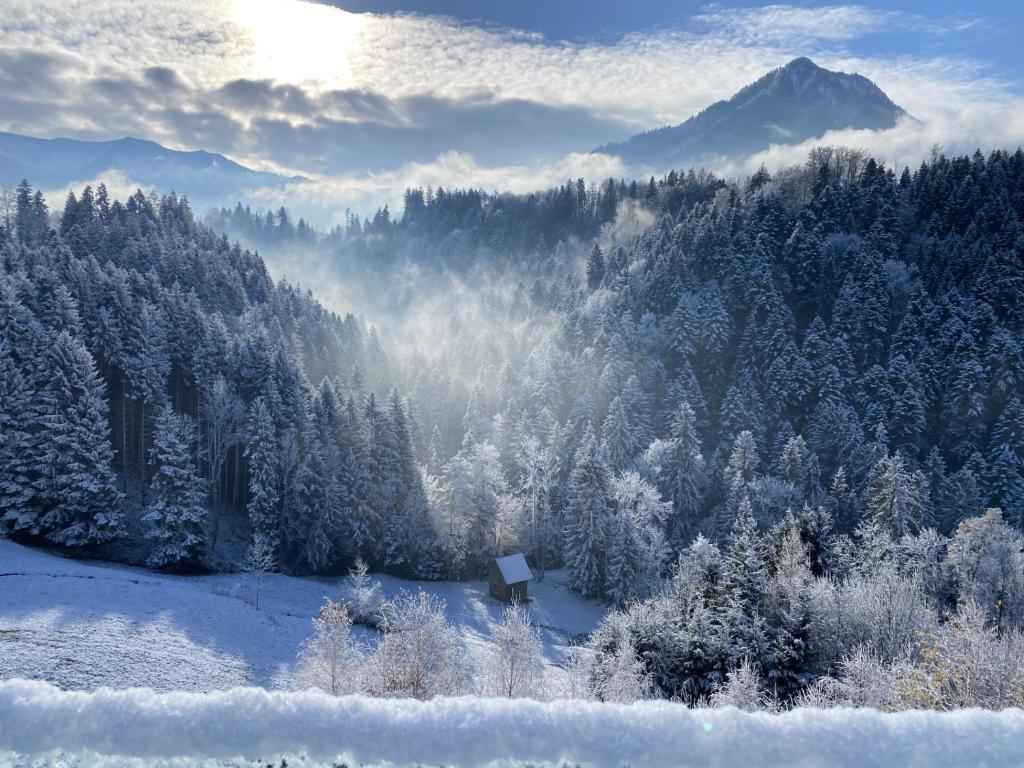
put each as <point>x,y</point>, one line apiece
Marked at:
<point>767,424</point>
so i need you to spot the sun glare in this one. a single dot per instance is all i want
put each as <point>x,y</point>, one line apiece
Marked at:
<point>296,41</point>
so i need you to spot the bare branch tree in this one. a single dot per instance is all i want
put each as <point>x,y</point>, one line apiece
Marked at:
<point>259,560</point>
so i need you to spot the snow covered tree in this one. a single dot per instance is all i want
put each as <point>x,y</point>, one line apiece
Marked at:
<point>745,581</point>
<point>19,442</point>
<point>895,496</point>
<point>742,689</point>
<point>264,489</point>
<point>514,667</point>
<point>986,557</point>
<point>619,674</point>
<point>683,475</point>
<point>586,516</point>
<point>538,468</point>
<point>81,503</point>
<point>595,268</point>
<point>965,662</point>
<point>636,538</point>
<point>330,659</point>
<point>618,441</point>
<point>223,417</point>
<point>176,513</point>
<point>739,473</point>
<point>474,483</point>
<point>419,654</point>
<point>259,561</point>
<point>363,595</point>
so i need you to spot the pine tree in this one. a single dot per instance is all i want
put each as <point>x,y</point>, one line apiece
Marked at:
<point>745,585</point>
<point>586,515</point>
<point>382,481</point>
<point>538,469</point>
<point>17,411</point>
<point>618,441</point>
<point>1006,460</point>
<point>176,514</point>
<point>895,497</point>
<point>261,452</point>
<point>312,537</point>
<point>684,475</point>
<point>739,473</point>
<point>595,268</point>
<point>77,486</point>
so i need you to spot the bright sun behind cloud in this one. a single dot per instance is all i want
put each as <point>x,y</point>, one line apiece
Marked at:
<point>297,41</point>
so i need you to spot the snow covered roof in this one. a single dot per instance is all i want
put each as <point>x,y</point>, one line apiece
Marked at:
<point>514,568</point>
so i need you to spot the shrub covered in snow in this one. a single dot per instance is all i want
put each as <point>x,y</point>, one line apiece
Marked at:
<point>330,659</point>
<point>515,665</point>
<point>362,595</point>
<point>419,654</point>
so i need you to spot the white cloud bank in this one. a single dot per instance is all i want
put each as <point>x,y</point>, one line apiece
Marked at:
<point>365,104</point>
<point>37,719</point>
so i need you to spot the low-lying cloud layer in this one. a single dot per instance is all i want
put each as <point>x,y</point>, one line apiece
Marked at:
<point>366,104</point>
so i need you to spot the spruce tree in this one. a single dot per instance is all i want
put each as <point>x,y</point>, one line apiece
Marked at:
<point>895,496</point>
<point>745,584</point>
<point>586,515</point>
<point>77,485</point>
<point>618,441</point>
<point>264,493</point>
<point>739,473</point>
<point>684,475</point>
<point>595,268</point>
<point>624,555</point>
<point>17,408</point>
<point>176,513</point>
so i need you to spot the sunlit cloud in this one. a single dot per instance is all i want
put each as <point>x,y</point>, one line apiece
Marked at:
<point>365,103</point>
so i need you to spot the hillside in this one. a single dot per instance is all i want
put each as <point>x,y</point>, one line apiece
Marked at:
<point>86,625</point>
<point>788,105</point>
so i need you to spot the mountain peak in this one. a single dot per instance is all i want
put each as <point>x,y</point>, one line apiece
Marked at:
<point>788,105</point>
<point>801,62</point>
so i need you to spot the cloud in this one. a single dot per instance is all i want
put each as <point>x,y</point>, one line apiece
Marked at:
<point>361,101</point>
<point>296,128</point>
<point>119,186</point>
<point>789,25</point>
<point>330,196</point>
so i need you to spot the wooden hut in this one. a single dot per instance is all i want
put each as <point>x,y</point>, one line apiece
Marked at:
<point>509,577</point>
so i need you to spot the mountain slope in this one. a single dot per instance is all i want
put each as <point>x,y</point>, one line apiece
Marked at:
<point>206,178</point>
<point>788,105</point>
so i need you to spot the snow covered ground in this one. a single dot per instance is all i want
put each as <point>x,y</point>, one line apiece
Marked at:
<point>42,726</point>
<point>83,625</point>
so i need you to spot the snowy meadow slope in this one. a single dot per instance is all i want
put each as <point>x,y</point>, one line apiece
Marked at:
<point>83,625</point>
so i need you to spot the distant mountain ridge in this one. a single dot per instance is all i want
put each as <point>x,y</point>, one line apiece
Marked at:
<point>788,105</point>
<point>206,178</point>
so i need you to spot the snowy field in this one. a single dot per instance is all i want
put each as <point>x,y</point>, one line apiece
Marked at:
<point>107,727</point>
<point>83,625</point>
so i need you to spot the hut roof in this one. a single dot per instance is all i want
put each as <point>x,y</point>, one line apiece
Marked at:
<point>514,568</point>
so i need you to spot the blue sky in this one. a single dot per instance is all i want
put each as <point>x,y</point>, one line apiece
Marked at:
<point>992,30</point>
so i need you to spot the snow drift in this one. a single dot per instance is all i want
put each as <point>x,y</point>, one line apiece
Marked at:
<point>37,719</point>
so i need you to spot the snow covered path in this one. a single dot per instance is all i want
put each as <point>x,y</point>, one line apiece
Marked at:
<point>83,625</point>
<point>36,720</point>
